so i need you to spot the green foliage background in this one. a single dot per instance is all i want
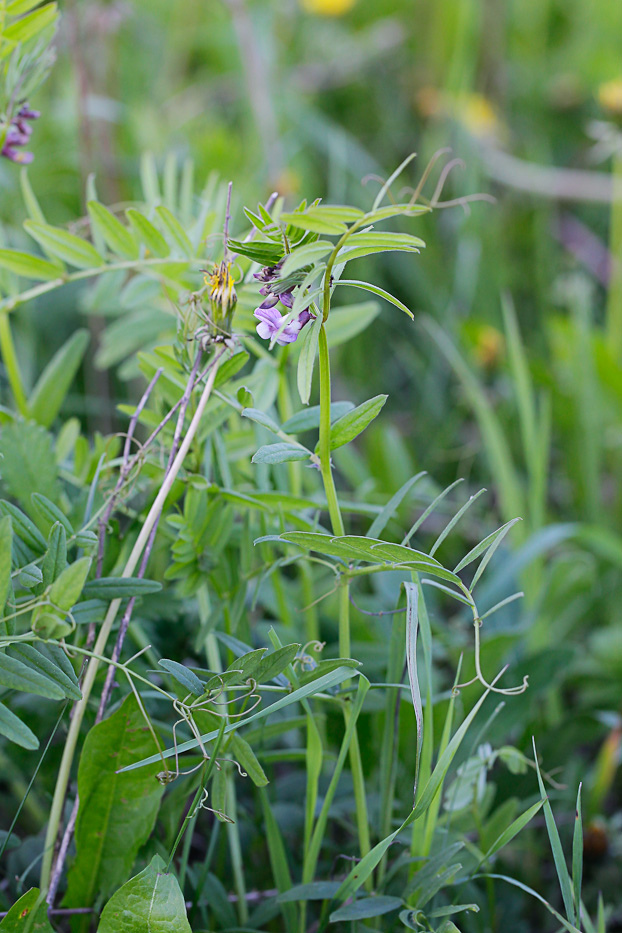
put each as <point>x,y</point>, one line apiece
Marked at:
<point>509,377</point>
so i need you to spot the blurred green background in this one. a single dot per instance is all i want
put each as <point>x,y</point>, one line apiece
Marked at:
<point>510,375</point>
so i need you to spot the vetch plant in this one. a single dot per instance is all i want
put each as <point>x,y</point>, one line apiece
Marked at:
<point>201,519</point>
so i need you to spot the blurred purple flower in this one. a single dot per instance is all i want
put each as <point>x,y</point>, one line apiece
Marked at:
<point>18,134</point>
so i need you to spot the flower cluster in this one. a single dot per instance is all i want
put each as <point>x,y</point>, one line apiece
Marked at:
<point>269,317</point>
<point>18,134</point>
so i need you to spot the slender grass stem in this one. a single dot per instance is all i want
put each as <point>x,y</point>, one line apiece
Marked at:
<point>73,734</point>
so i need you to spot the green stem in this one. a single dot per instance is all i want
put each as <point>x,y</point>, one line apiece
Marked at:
<point>7,348</point>
<point>64,772</point>
<point>362,817</point>
<point>327,473</point>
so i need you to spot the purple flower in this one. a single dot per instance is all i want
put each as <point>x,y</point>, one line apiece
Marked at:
<point>18,134</point>
<point>269,322</point>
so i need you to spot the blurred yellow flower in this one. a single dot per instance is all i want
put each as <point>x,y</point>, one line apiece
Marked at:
<point>327,7</point>
<point>610,96</point>
<point>478,115</point>
<point>489,346</point>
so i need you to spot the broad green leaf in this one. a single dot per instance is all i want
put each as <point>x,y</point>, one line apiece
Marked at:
<point>354,422</point>
<point>70,248</point>
<point>148,234</point>
<point>117,811</point>
<point>280,453</point>
<point>376,290</point>
<point>18,676</point>
<point>15,730</point>
<point>120,588</point>
<point>174,232</point>
<point>315,222</point>
<point>6,547</point>
<point>230,368</point>
<point>27,464</point>
<point>51,512</point>
<point>117,237</point>
<point>55,381</point>
<point>184,676</point>
<point>260,417</point>
<point>396,210</point>
<point>30,576</point>
<point>309,418</point>
<point>367,907</point>
<point>67,588</point>
<point>151,902</point>
<point>306,360</point>
<point>29,266</point>
<point>271,665</point>
<point>19,7</point>
<point>20,917</point>
<point>306,255</point>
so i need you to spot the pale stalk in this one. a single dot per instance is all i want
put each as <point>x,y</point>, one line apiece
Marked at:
<point>71,742</point>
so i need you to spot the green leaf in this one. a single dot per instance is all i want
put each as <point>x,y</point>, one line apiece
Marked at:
<point>354,422</point>
<point>67,588</point>
<point>36,661</point>
<point>260,417</point>
<point>174,232</point>
<point>365,244</point>
<point>559,858</point>
<point>20,917</point>
<point>152,901</point>
<point>280,453</point>
<point>6,548</point>
<point>30,199</point>
<point>117,811</point>
<point>55,381</point>
<point>380,522</point>
<point>315,222</point>
<point>148,234</point>
<point>367,907</point>
<point>313,891</point>
<point>278,861</point>
<point>18,676</point>
<point>306,360</point>
<point>266,254</point>
<point>271,665</point>
<point>51,512</point>
<point>483,545</point>
<point>184,676</point>
<point>117,237</point>
<point>306,255</point>
<point>309,418</point>
<point>230,368</point>
<point>120,588</point>
<point>30,576</point>
<point>412,625</point>
<point>29,266</point>
<point>245,755</point>
<point>513,829</point>
<point>16,731</point>
<point>27,464</point>
<point>70,248</point>
<point>30,26</point>
<point>376,290</point>
<point>577,854</point>
<point>23,527</point>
